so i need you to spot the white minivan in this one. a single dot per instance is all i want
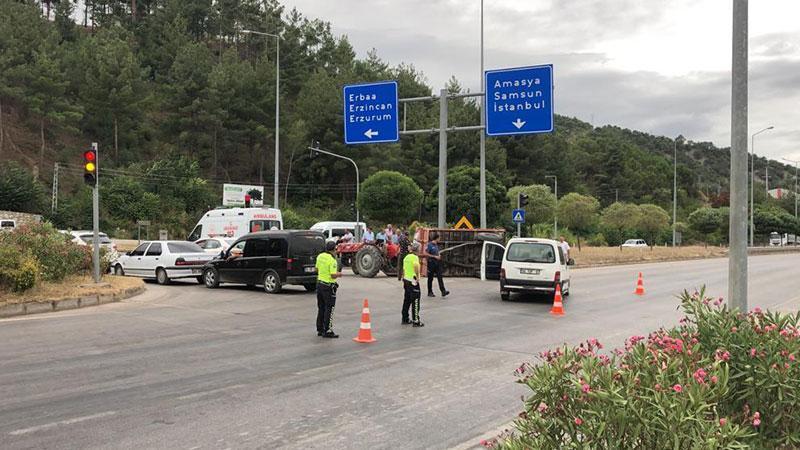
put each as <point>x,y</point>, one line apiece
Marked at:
<point>529,265</point>
<point>333,231</point>
<point>233,223</point>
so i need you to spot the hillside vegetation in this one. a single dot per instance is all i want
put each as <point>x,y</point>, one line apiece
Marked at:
<point>181,101</point>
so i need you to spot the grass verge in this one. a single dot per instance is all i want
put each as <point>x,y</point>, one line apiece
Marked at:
<point>72,287</point>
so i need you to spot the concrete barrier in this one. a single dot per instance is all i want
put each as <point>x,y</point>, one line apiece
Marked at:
<point>20,309</point>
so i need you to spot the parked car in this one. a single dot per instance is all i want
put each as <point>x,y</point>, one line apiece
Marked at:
<point>271,259</point>
<point>214,246</point>
<point>533,265</point>
<point>8,224</point>
<point>164,261</point>
<point>86,237</point>
<point>634,243</point>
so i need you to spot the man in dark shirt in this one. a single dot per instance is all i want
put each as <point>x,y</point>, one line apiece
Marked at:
<point>404,244</point>
<point>435,266</point>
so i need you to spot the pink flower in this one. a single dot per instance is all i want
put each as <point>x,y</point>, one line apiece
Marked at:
<point>657,387</point>
<point>542,407</point>
<point>791,358</point>
<point>756,422</point>
<point>734,329</point>
<point>757,310</point>
<point>714,379</point>
<point>723,421</point>
<point>578,421</point>
<point>752,353</point>
<point>585,388</point>
<point>677,388</point>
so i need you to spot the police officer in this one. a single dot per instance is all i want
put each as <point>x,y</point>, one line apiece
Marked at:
<point>411,297</point>
<point>327,272</point>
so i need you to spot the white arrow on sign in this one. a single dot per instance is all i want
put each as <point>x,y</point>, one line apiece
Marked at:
<point>370,134</point>
<point>519,123</point>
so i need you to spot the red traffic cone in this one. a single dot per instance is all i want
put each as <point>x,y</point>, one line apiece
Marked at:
<point>639,286</point>
<point>365,332</point>
<point>558,306</point>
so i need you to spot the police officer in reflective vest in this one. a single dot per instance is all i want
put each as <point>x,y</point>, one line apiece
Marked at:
<point>411,271</point>
<point>327,272</point>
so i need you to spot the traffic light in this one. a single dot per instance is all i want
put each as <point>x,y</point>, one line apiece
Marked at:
<point>90,167</point>
<point>523,200</point>
<point>246,200</point>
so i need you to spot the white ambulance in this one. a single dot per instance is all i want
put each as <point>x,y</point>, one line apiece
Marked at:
<point>233,223</point>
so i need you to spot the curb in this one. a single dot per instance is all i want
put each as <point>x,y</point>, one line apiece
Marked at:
<point>21,309</point>
<point>757,251</point>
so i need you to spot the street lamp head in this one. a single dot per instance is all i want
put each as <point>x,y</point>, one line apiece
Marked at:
<point>770,127</point>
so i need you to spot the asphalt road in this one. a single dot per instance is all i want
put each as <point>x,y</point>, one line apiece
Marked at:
<point>183,367</point>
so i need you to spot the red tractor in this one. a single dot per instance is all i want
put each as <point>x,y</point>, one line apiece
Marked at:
<point>369,259</point>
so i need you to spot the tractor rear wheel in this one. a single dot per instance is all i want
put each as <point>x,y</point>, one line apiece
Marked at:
<point>369,261</point>
<point>390,268</point>
<point>354,265</point>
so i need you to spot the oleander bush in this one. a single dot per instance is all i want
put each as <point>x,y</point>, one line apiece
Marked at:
<point>39,251</point>
<point>721,379</point>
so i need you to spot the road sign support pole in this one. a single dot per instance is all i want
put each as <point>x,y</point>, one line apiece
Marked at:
<point>737,258</point>
<point>519,225</point>
<point>96,219</point>
<point>483,136</point>
<point>442,158</point>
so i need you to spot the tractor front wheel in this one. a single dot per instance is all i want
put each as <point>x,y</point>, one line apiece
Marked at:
<point>369,261</point>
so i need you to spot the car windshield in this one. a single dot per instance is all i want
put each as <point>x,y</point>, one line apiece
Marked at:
<point>631,241</point>
<point>89,238</point>
<point>184,247</point>
<point>307,245</point>
<point>531,252</point>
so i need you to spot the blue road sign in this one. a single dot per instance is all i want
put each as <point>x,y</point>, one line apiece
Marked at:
<point>370,113</point>
<point>519,101</point>
<point>518,215</point>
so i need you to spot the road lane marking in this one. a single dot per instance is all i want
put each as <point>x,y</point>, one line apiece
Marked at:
<point>210,392</point>
<point>74,420</point>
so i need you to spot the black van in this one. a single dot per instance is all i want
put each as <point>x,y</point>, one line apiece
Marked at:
<point>270,259</point>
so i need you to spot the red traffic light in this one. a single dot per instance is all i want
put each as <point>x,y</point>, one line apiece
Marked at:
<point>89,155</point>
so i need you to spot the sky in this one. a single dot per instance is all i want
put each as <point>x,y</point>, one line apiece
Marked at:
<point>660,66</point>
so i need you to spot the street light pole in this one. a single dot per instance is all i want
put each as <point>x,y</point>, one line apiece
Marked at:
<point>753,178</point>
<point>795,183</point>
<point>483,137</point>
<point>358,183</point>
<point>277,109</point>
<point>555,211</point>
<point>675,190</point>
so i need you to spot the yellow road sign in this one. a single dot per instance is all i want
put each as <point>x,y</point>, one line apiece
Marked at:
<point>464,223</point>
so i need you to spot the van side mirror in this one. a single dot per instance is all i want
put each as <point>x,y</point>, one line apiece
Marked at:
<point>571,262</point>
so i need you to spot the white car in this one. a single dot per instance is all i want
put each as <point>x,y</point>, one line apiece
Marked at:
<point>214,246</point>
<point>86,237</point>
<point>164,261</point>
<point>533,266</point>
<point>634,243</point>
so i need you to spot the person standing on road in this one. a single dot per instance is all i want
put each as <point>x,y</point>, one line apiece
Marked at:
<point>564,247</point>
<point>405,245</point>
<point>411,290</point>
<point>327,272</point>
<point>435,266</point>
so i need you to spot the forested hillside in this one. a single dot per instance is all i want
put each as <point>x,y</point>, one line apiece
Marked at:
<point>181,101</point>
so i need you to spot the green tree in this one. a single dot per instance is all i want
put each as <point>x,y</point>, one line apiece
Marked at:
<point>389,197</point>
<point>652,222</point>
<point>579,213</point>
<point>618,222</point>
<point>19,191</point>
<point>541,202</point>
<point>706,221</point>
<point>463,196</point>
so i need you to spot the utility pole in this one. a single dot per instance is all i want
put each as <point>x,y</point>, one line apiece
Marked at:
<point>442,213</point>
<point>795,184</point>
<point>737,257</point>
<point>96,219</point>
<point>483,135</point>
<point>54,203</point>
<point>753,179</point>
<point>675,190</point>
<point>616,195</point>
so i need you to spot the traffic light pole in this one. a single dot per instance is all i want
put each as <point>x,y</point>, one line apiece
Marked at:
<point>96,222</point>
<point>519,206</point>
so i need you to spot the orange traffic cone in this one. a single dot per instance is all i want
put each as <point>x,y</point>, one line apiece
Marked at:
<point>365,332</point>
<point>558,307</point>
<point>639,286</point>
